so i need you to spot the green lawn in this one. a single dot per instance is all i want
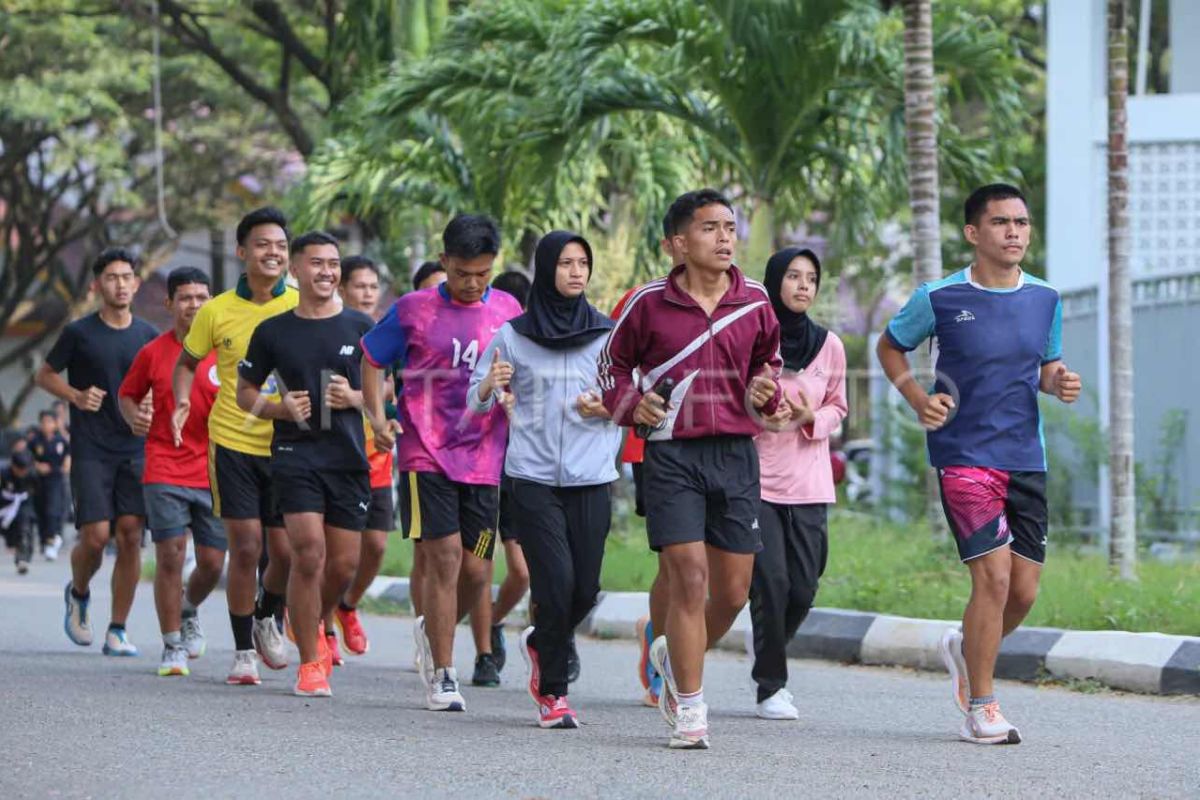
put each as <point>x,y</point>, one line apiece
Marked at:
<point>899,569</point>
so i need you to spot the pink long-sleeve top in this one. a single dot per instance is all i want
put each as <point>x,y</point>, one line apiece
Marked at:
<point>794,463</point>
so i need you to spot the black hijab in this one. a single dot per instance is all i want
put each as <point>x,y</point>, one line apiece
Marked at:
<point>550,319</point>
<point>800,339</point>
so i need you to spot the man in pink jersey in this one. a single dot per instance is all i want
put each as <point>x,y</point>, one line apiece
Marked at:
<point>175,480</point>
<point>438,335</point>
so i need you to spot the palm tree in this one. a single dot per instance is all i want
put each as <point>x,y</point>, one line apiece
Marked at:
<point>920,123</point>
<point>1123,536</point>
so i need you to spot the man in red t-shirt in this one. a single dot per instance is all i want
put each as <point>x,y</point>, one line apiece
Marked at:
<point>176,477</point>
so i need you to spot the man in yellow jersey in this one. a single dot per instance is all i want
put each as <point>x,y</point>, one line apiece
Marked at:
<point>239,459</point>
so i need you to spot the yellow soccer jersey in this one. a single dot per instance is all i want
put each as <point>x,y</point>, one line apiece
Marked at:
<point>225,324</point>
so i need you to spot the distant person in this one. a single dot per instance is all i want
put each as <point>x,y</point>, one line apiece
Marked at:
<point>561,456</point>
<point>18,487</point>
<point>52,462</point>
<point>796,475</point>
<point>240,443</point>
<point>176,477</point>
<point>107,457</point>
<point>999,334</point>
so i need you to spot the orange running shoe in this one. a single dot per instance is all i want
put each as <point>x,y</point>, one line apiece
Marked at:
<point>324,654</point>
<point>335,652</point>
<point>311,681</point>
<point>352,630</point>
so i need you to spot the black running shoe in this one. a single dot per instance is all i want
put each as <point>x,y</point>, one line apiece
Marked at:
<point>486,673</point>
<point>572,663</point>
<point>499,651</point>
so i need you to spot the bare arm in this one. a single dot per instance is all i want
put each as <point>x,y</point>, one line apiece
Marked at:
<point>84,399</point>
<point>1059,381</point>
<point>932,410</point>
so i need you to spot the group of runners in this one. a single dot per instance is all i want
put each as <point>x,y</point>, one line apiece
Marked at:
<point>277,421</point>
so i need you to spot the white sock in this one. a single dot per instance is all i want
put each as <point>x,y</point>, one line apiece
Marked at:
<point>173,639</point>
<point>691,700</point>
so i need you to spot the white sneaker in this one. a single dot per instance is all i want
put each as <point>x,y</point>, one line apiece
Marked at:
<point>116,643</point>
<point>244,671</point>
<point>423,658</point>
<point>668,702</point>
<point>75,620</point>
<point>986,725</point>
<point>174,662</point>
<point>778,706</point>
<point>268,641</point>
<point>950,649</point>
<point>193,636</point>
<point>442,694</point>
<point>50,551</point>
<point>691,728</point>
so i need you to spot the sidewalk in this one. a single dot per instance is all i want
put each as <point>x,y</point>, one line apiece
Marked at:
<point>1151,663</point>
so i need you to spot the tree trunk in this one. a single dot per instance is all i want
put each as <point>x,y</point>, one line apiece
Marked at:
<point>1123,538</point>
<point>762,239</point>
<point>920,132</point>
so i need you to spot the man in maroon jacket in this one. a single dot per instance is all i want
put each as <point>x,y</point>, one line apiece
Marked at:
<point>712,332</point>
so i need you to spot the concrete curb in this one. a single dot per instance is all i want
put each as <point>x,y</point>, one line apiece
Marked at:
<point>1152,663</point>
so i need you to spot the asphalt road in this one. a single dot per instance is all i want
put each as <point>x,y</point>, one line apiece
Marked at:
<point>75,724</point>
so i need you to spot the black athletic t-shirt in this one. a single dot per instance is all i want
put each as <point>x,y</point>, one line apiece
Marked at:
<point>304,354</point>
<point>95,354</point>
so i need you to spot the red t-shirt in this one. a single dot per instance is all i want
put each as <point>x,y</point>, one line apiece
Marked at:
<point>152,370</point>
<point>635,448</point>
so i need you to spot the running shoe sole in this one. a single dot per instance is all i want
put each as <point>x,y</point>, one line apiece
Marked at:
<point>242,680</point>
<point>1012,737</point>
<point>644,656</point>
<point>564,722</point>
<point>108,651</point>
<point>453,705</point>
<point>957,678</point>
<point>312,692</point>
<point>668,688</point>
<point>529,689</point>
<point>689,743</point>
<point>172,672</point>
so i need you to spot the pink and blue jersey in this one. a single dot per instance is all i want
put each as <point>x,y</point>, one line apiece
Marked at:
<point>437,341</point>
<point>992,344</point>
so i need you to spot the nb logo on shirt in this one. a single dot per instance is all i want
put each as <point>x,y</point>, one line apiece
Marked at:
<point>964,316</point>
<point>347,350</point>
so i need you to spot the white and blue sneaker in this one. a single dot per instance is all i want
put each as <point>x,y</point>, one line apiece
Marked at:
<point>668,700</point>
<point>193,636</point>
<point>75,620</point>
<point>116,643</point>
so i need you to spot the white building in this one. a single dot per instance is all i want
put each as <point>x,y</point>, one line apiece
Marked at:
<point>1164,144</point>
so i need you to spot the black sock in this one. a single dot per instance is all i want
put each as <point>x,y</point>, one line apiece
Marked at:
<point>185,614</point>
<point>79,596</point>
<point>344,606</point>
<point>116,627</point>
<point>242,624</point>
<point>269,604</point>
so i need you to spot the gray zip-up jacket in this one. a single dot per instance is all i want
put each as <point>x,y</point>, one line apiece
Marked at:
<point>548,441</point>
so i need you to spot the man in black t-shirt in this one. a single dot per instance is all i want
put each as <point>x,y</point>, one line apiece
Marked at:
<point>106,468</point>
<point>52,463</point>
<point>318,455</point>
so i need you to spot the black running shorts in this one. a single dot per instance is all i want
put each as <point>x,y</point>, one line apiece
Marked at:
<point>448,507</point>
<point>241,486</point>
<point>105,490</point>
<point>342,496</point>
<point>703,490</point>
